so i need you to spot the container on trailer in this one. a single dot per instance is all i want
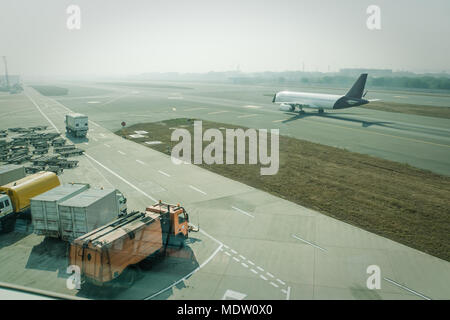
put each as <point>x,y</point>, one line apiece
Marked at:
<point>45,209</point>
<point>11,172</point>
<point>86,211</point>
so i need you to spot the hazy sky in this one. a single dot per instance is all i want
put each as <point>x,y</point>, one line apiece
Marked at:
<point>127,37</point>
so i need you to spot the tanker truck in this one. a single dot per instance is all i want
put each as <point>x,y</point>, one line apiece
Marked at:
<point>15,196</point>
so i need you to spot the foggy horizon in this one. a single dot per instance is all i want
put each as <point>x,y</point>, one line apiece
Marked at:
<point>137,37</point>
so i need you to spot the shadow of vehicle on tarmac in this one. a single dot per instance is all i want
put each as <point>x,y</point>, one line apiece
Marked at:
<point>13,230</point>
<point>364,123</point>
<point>153,276</point>
<point>363,293</point>
<point>76,140</point>
<point>49,255</point>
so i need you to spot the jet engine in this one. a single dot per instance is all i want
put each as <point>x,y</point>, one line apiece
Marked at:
<point>287,107</point>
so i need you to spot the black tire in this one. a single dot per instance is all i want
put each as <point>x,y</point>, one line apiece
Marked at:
<point>182,238</point>
<point>128,277</point>
<point>8,224</point>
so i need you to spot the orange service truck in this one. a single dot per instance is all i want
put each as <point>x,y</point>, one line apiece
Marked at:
<point>106,252</point>
<point>15,196</point>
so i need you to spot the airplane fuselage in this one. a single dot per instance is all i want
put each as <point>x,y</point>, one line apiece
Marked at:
<point>317,100</point>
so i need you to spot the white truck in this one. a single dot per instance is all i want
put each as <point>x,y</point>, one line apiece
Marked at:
<point>77,125</point>
<point>72,210</point>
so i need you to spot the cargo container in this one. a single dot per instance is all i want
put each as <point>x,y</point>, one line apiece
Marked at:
<point>77,124</point>
<point>11,172</point>
<point>88,210</point>
<point>106,252</point>
<point>45,209</point>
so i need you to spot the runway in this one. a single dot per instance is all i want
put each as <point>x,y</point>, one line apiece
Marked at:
<point>423,142</point>
<point>251,244</point>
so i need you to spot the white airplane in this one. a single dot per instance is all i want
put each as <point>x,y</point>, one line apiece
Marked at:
<point>290,100</point>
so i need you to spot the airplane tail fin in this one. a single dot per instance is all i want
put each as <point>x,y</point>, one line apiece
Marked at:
<point>358,88</point>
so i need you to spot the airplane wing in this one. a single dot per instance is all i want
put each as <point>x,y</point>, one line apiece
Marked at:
<point>292,101</point>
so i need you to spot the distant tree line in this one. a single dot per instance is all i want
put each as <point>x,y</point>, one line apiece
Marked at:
<point>419,82</point>
<point>425,82</point>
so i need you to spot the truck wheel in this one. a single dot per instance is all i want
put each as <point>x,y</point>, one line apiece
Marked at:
<point>129,276</point>
<point>8,225</point>
<point>182,240</point>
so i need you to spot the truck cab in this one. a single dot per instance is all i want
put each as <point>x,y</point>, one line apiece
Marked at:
<point>179,220</point>
<point>121,203</point>
<point>6,207</point>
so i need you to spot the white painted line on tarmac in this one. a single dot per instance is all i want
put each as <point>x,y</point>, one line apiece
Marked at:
<point>279,120</point>
<point>274,284</point>
<point>116,175</point>
<point>250,262</point>
<point>43,114</point>
<point>208,235</point>
<point>187,276</point>
<point>146,195</point>
<point>194,109</point>
<point>217,112</point>
<point>95,139</point>
<point>407,289</point>
<point>211,256</point>
<point>247,115</point>
<point>97,169</point>
<point>234,251</point>
<point>242,211</point>
<point>107,145</point>
<point>260,269</point>
<point>139,161</point>
<point>86,143</point>
<point>227,253</point>
<point>254,271</point>
<point>281,282</point>
<point>270,275</point>
<point>121,152</point>
<point>163,173</point>
<point>196,189</point>
<point>253,107</point>
<point>227,247</point>
<point>242,257</point>
<point>288,293</point>
<point>236,259</point>
<point>244,265</point>
<point>262,277</point>
<point>310,243</point>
